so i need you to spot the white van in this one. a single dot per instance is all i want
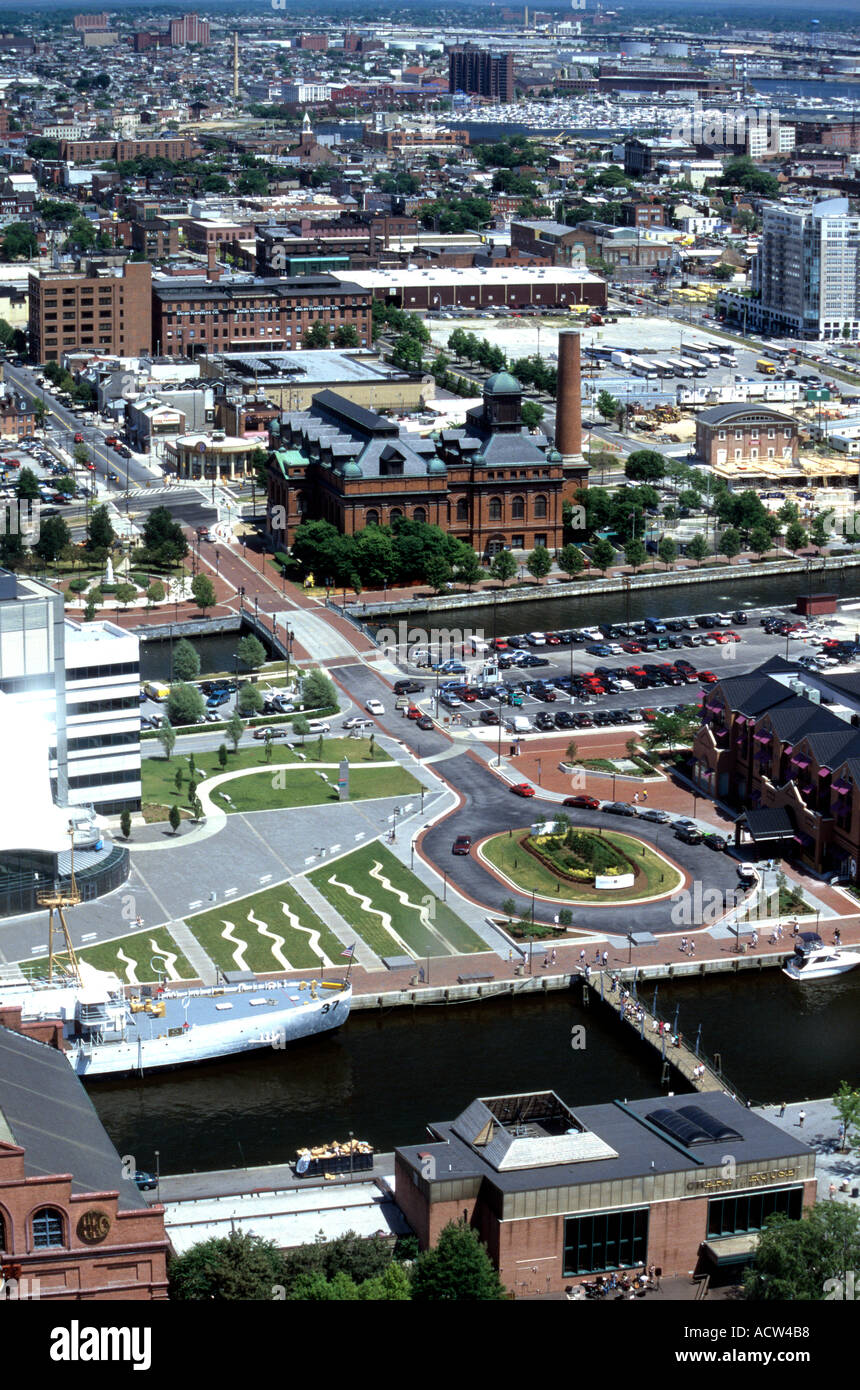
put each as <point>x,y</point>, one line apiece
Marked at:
<point>519,724</point>
<point>536,639</point>
<point>478,647</point>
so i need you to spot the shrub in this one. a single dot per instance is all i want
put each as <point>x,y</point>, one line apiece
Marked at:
<point>78,585</point>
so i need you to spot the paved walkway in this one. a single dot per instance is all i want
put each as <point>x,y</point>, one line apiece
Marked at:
<point>820,1130</point>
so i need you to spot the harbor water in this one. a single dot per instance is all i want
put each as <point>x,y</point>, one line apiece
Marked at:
<point>386,1076</point>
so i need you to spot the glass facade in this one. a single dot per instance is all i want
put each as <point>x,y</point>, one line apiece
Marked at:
<point>605,1240</point>
<point>748,1211</point>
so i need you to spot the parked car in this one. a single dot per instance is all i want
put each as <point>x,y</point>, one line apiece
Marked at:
<point>689,834</point>
<point>619,808</point>
<point>583,802</point>
<point>714,841</point>
<point>522,789</point>
<point>655,815</point>
<point>425,722</point>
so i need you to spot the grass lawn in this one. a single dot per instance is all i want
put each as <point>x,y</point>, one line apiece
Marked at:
<point>141,947</point>
<point>653,875</point>
<point>424,923</point>
<point>159,774</point>
<point>302,786</point>
<point>299,949</point>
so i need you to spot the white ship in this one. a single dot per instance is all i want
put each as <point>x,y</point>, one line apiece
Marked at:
<point>821,964</point>
<point>107,1034</point>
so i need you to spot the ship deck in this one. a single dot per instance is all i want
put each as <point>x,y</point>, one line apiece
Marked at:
<point>207,1006</point>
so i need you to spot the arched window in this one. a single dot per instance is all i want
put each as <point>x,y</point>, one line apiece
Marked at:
<point>371,518</point>
<point>395,513</point>
<point>462,509</point>
<point>4,1239</point>
<point>420,514</point>
<point>47,1228</point>
<point>540,505</point>
<point>495,509</point>
<point>518,508</point>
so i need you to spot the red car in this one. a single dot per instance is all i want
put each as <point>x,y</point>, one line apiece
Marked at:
<point>630,647</point>
<point>649,715</point>
<point>468,695</point>
<point>522,789</point>
<point>731,636</point>
<point>462,844</point>
<point>499,644</point>
<point>413,712</point>
<point>552,641</point>
<point>707,678</point>
<point>79,438</point>
<point>720,637</point>
<point>585,803</point>
<point>111,439</point>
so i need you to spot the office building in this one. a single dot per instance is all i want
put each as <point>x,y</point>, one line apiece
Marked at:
<point>103,306</point>
<point>559,1195</point>
<point>805,276</point>
<point>478,72</point>
<point>189,29</point>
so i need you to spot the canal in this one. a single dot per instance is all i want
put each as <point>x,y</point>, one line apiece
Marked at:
<point>385,1076</point>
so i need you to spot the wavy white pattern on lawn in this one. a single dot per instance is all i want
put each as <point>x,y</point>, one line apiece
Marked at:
<point>424,910</point>
<point>277,941</point>
<point>169,960</point>
<point>367,906</point>
<point>131,966</point>
<point>313,936</point>
<point>241,946</point>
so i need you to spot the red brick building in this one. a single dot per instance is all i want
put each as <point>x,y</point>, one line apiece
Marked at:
<point>190,318</point>
<point>744,432</point>
<point>490,484</point>
<point>559,1196</point>
<point>104,306</point>
<point>72,1226</point>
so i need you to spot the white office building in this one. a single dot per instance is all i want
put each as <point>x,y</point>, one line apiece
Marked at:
<point>84,680</point>
<point>806,273</point>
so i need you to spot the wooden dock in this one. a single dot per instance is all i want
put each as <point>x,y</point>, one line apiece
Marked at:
<point>655,1031</point>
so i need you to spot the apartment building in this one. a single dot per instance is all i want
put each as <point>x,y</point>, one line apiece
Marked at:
<point>171,147</point>
<point>805,276</point>
<point>105,307</point>
<point>192,317</point>
<point>479,72</point>
<point>188,29</point>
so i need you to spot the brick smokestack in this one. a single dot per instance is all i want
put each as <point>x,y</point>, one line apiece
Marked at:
<point>213,271</point>
<point>568,413</point>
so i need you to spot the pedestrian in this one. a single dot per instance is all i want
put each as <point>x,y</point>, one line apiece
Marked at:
<point>683,946</point>
<point>545,962</point>
<point>801,1118</point>
<point>692,948</point>
<point>644,796</point>
<point>831,1191</point>
<point>635,798</point>
<point>605,959</point>
<point>781,1111</point>
<point>754,940</point>
<point>837,937</point>
<point>510,957</point>
<point>582,957</point>
<point>554,956</point>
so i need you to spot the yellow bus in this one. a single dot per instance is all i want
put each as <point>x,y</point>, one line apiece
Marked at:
<point>765,367</point>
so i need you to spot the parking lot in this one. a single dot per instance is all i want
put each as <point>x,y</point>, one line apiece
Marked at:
<point>613,676</point>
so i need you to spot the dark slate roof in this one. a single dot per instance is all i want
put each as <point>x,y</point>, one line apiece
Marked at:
<point>799,716</point>
<point>753,694</point>
<point>331,403</point>
<point>769,823</point>
<point>849,684</point>
<point>637,1145</point>
<point>833,746</point>
<point>45,1110</point>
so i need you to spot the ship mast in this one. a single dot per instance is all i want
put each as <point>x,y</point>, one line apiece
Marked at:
<point>56,899</point>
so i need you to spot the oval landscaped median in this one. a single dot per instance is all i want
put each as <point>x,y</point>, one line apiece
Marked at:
<point>563,868</point>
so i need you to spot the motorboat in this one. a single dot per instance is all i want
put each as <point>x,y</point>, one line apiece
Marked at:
<point>820,963</point>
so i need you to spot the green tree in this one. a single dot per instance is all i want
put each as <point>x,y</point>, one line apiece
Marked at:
<point>19,243</point>
<point>439,573</point>
<point>467,567</point>
<point>346,336</point>
<point>250,700</point>
<point>222,755</point>
<point>607,405</point>
<point>302,728</point>
<point>13,552</point>
<point>54,536</point>
<point>847,1105</point>
<point>167,738</point>
<point>203,591</point>
<point>571,561</point>
<point>126,593</point>
<point>730,543</point>
<point>503,566</point>
<point>645,466</point>
<point>251,652</point>
<point>317,336</point>
<point>539,563</point>
<point>456,1268</point>
<point>27,485</point>
<point>795,1260</point>
<point>635,553</point>
<point>174,818</point>
<point>235,1267</point>
<point>186,661</point>
<point>235,729</point>
<point>125,824</point>
<point>698,549</point>
<point>319,691</point>
<point>760,541</point>
<point>667,551</point>
<point>100,534</point>
<point>155,592</point>
<point>163,536</point>
<point>795,536</point>
<point>179,778</point>
<point>184,704</point>
<point>532,414</point>
<point>603,554</point>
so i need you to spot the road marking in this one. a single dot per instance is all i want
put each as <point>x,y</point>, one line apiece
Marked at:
<point>90,936</point>
<point>310,859</point>
<point>265,878</point>
<point>198,902</point>
<point>229,890</point>
<point>360,835</point>
<point>36,950</point>
<point>333,849</point>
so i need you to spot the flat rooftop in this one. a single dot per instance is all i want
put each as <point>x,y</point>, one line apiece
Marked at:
<point>473,275</point>
<point>299,368</point>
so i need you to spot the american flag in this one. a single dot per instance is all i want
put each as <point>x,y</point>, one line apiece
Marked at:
<point>349,950</point>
